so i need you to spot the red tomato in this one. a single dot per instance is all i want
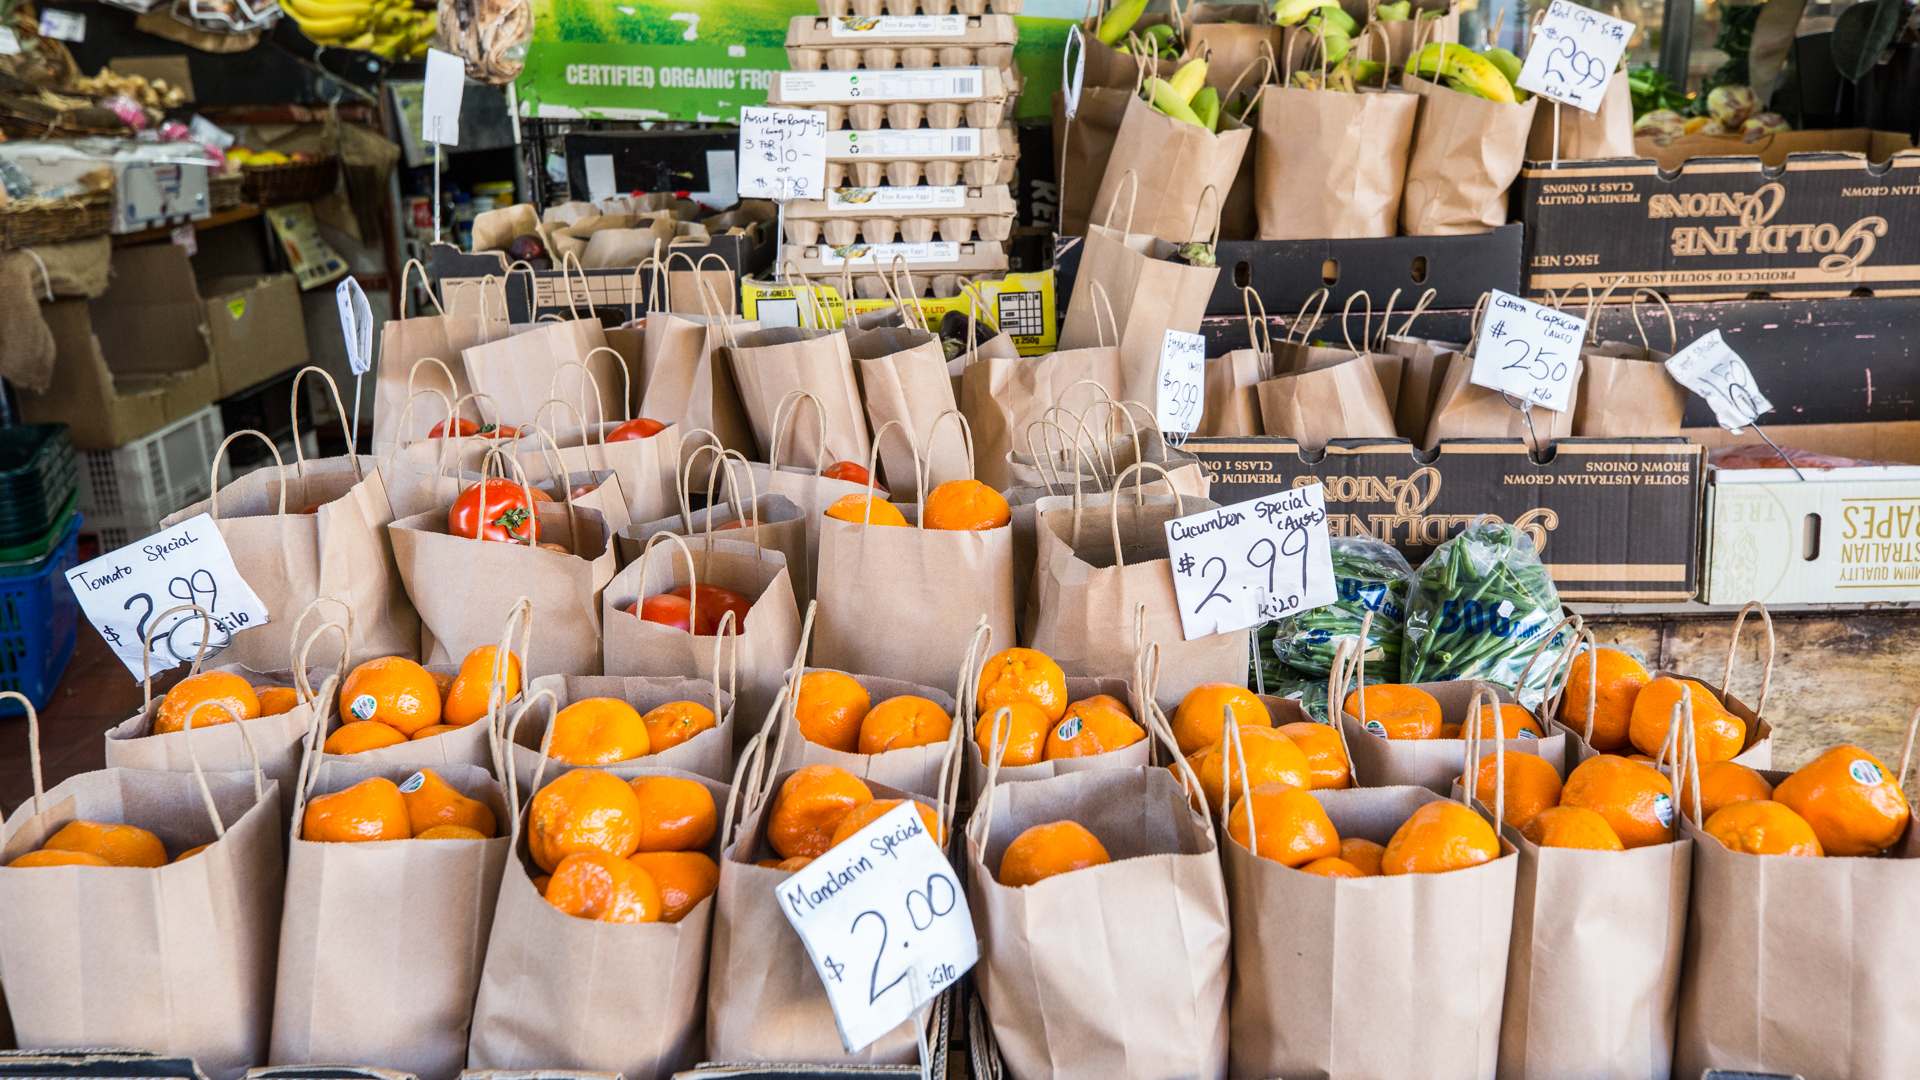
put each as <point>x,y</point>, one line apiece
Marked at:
<point>710,602</point>
<point>464,427</point>
<point>582,490</point>
<point>665,609</point>
<point>851,471</point>
<point>641,428</point>
<point>494,510</point>
<point>737,523</point>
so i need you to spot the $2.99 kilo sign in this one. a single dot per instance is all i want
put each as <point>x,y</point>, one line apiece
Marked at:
<point>1241,565</point>
<point>885,921</point>
<point>124,593</point>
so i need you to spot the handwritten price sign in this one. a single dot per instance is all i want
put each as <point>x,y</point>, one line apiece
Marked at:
<point>1709,367</point>
<point>783,153</point>
<point>1181,392</point>
<point>885,922</point>
<point>1241,565</point>
<point>124,592</point>
<point>1574,55</point>
<point>1529,351</point>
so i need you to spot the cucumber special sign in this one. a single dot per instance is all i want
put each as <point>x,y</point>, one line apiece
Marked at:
<point>701,60</point>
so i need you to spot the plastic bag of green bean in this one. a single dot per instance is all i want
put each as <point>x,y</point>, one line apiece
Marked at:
<point>1370,577</point>
<point>1477,609</point>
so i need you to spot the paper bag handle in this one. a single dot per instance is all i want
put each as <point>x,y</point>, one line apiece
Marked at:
<point>302,684</point>
<point>504,658</point>
<point>1100,299</point>
<point>1259,334</point>
<point>425,282</point>
<point>1673,330</point>
<point>693,573</point>
<point>1233,753</point>
<point>1419,309</point>
<point>788,412</point>
<point>1130,181</point>
<point>750,772</point>
<point>1906,752</point>
<point>1139,499</point>
<point>510,738</point>
<point>1733,645</point>
<point>33,745</point>
<point>873,468</point>
<point>1349,658</point>
<point>1303,323</point>
<point>965,687</point>
<point>280,473</point>
<point>1366,324</point>
<point>200,776</point>
<point>652,289</point>
<point>1557,664</point>
<point>340,411</point>
<point>963,430</point>
<point>311,757</point>
<point>569,262</point>
<point>1685,766</point>
<point>154,631</point>
<point>1470,778</point>
<point>1583,645</point>
<point>312,609</point>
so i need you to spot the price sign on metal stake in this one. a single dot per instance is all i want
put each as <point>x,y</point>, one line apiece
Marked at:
<point>1241,565</point>
<point>123,592</point>
<point>783,153</point>
<point>885,922</point>
<point>1180,392</point>
<point>1709,367</point>
<point>1574,54</point>
<point>1529,351</point>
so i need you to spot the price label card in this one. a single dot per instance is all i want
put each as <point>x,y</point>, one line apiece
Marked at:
<point>1709,367</point>
<point>63,25</point>
<point>440,101</point>
<point>783,153</point>
<point>885,921</point>
<point>124,592</point>
<point>1529,351</point>
<point>1241,565</point>
<point>1574,54</point>
<point>9,42</point>
<point>356,324</point>
<point>1180,394</point>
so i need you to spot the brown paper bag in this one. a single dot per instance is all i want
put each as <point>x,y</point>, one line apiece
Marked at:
<point>805,485</point>
<point>1144,294</point>
<point>441,569</point>
<point>1165,949</point>
<point>1420,367</point>
<point>516,372</point>
<point>708,754</point>
<point>738,509</point>
<point>1463,410</point>
<point>179,958</point>
<point>1096,570</point>
<point>291,557</point>
<point>1466,153</point>
<point>1404,38</point>
<point>1085,141</point>
<point>1105,65</point>
<point>1625,389</point>
<point>1330,165</point>
<point>1172,164</point>
<point>980,747</point>
<point>903,378</point>
<point>350,987</point>
<point>768,365</point>
<point>683,378</point>
<point>551,980</point>
<point>761,652</point>
<point>646,466</point>
<point>1237,40</point>
<point>1232,404</point>
<point>1583,135</point>
<point>1001,397</point>
<point>435,341</point>
<point>1340,400</point>
<point>1060,460</point>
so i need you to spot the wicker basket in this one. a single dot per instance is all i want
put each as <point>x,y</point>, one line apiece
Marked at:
<point>224,191</point>
<point>26,224</point>
<point>300,181</point>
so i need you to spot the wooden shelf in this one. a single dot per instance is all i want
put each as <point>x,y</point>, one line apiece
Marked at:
<point>230,216</point>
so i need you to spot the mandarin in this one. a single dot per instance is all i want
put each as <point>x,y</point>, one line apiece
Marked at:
<point>675,722</point>
<point>1572,827</point>
<point>864,816</point>
<point>598,731</point>
<point>809,807</point>
<point>965,505</point>
<point>1395,711</point>
<point>1763,827</point>
<point>1202,716</point>
<point>605,888</point>
<point>1718,734</point>
<point>1288,826</point>
<point>1326,754</point>
<point>1439,837</point>
<point>1272,758</point>
<point>211,688</point>
<point>583,810</point>
<point>1046,850</point>
<point>44,857</point>
<point>1532,785</point>
<point>362,735</point>
<point>275,700</point>
<point>427,732</point>
<point>1333,866</point>
<point>372,809</point>
<point>1025,734</point>
<point>1093,725</point>
<point>1723,783</point>
<point>1636,799</point>
<point>676,814</point>
<point>1851,800</point>
<point>1508,721</point>
<point>465,698</point>
<point>902,722</point>
<point>685,878</point>
<point>432,801</point>
<point>192,851</point>
<point>829,709</point>
<point>119,845</point>
<point>1363,853</point>
<point>1027,675</point>
<point>866,510</point>
<point>393,690</point>
<point>788,865</point>
<point>1614,678</point>
<point>450,832</point>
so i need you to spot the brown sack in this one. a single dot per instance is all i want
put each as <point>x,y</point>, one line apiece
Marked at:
<point>1000,397</point>
<point>177,959</point>
<point>1607,133</point>
<point>770,364</point>
<point>646,466</point>
<point>1625,389</point>
<point>424,352</point>
<point>1232,404</point>
<point>1420,368</point>
<point>291,558</point>
<point>708,753</point>
<point>1172,164</point>
<point>1158,1006</point>
<point>1338,400</point>
<point>517,371</point>
<point>738,509</point>
<point>974,757</point>
<point>1466,152</point>
<point>1143,293</point>
<point>805,485</point>
<point>1330,165</point>
<point>1097,569</point>
<point>683,377</point>
<point>761,652</point>
<point>352,987</point>
<point>1085,140</point>
<point>1236,39</point>
<point>1105,65</point>
<point>1464,410</point>
<point>903,379</point>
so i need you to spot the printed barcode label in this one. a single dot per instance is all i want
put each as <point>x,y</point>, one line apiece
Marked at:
<point>891,27</point>
<point>925,84</point>
<point>919,197</point>
<point>938,251</point>
<point>914,143</point>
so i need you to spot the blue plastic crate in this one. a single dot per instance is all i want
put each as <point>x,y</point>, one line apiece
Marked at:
<point>39,618</point>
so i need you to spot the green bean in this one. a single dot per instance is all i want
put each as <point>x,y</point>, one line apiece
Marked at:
<point>1476,610</point>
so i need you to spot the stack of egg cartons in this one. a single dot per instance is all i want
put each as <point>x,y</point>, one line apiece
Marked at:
<point>919,97</point>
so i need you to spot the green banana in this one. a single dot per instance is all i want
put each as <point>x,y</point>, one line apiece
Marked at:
<point>1335,43</point>
<point>1463,70</point>
<point>1400,11</point>
<point>1206,106</point>
<point>1189,79</point>
<point>1506,61</point>
<point>1293,12</point>
<point>1120,19</point>
<point>1161,95</point>
<point>1333,15</point>
<point>1367,71</point>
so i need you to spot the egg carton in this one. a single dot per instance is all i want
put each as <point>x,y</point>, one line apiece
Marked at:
<point>977,172</point>
<point>885,42</point>
<point>919,7</point>
<point>903,98</point>
<point>933,258</point>
<point>912,215</point>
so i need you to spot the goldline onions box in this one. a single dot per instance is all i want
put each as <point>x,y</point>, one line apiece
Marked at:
<point>1841,218</point>
<point>1613,519</point>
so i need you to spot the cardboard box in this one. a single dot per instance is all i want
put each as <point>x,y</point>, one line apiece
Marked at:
<point>132,361</point>
<point>256,329</point>
<point>616,291</point>
<point>1287,272</point>
<point>1023,305</point>
<point>96,1065</point>
<point>1828,223</point>
<point>1614,519</point>
<point>1772,150</point>
<point>1825,536</point>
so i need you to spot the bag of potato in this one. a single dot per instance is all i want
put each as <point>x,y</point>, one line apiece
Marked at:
<point>1070,843</point>
<point>764,999</point>
<point>1468,145</point>
<point>644,453</point>
<point>417,847</point>
<point>682,374</point>
<point>1625,389</point>
<point>1145,286</point>
<point>1171,154</point>
<point>306,530</point>
<point>1232,403</point>
<point>554,553</point>
<point>142,907</point>
<point>738,509</point>
<point>770,364</point>
<point>941,564</point>
<point>1564,133</point>
<point>629,724</point>
<point>603,910</point>
<point>1777,977</point>
<point>409,342</point>
<point>661,611</point>
<point>1091,577</point>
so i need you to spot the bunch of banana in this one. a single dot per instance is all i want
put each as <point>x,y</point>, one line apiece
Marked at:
<point>1185,96</point>
<point>1489,75</point>
<point>394,29</point>
<point>1119,20</point>
<point>1334,27</point>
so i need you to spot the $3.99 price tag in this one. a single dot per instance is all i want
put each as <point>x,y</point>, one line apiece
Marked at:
<point>1709,367</point>
<point>1181,391</point>
<point>885,922</point>
<point>1574,55</point>
<point>1529,351</point>
<point>125,592</point>
<point>1241,565</point>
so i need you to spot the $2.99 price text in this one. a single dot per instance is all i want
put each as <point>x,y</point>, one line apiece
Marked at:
<point>1241,565</point>
<point>885,922</point>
